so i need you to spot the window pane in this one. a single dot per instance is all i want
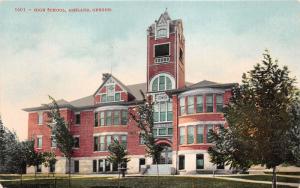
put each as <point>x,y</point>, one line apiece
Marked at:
<point>162,131</point>
<point>170,131</point>
<point>116,117</point>
<point>155,85</point>
<point>116,137</point>
<point>182,135</point>
<point>161,50</point>
<point>190,109</point>
<point>208,128</point>
<point>190,135</point>
<point>163,109</point>
<point>182,105</point>
<point>169,83</point>
<point>77,119</point>
<point>96,148</point>
<point>101,118</point>
<point>108,118</point>
<point>103,98</point>
<point>170,111</point>
<point>200,103</point>
<point>96,119</point>
<point>209,103</point>
<point>219,103</point>
<point>181,162</point>
<point>102,143</point>
<point>108,140</point>
<point>124,140</point>
<point>155,132</point>
<point>199,161</point>
<point>40,118</point>
<point>200,134</point>
<point>117,97</point>
<point>162,83</point>
<point>124,117</point>
<point>156,112</point>
<point>39,142</point>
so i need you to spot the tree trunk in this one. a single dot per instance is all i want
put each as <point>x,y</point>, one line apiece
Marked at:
<point>69,172</point>
<point>157,170</point>
<point>274,178</point>
<point>119,177</point>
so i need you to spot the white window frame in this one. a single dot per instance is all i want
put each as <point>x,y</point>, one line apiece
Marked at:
<point>169,102</point>
<point>53,136</point>
<point>37,143</point>
<point>162,74</point>
<point>40,118</point>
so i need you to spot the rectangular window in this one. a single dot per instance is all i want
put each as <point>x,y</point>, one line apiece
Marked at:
<point>199,161</point>
<point>190,135</point>
<point>40,118</point>
<point>101,165</point>
<point>208,128</point>
<point>163,111</point>
<point>181,135</point>
<point>96,145</point>
<point>39,142</point>
<point>162,131</point>
<point>190,105</point>
<point>156,112</point>
<point>108,118</point>
<point>117,96</point>
<point>53,141</point>
<point>181,162</point>
<point>170,131</point>
<point>124,140</point>
<point>209,103</point>
<point>102,122</point>
<point>200,134</point>
<point>219,104</point>
<point>77,119</point>
<point>161,50</point>
<point>102,143</point>
<point>76,142</point>
<point>182,106</point>
<point>108,141</point>
<point>94,165</point>
<point>107,166</point>
<point>103,98</point>
<point>116,117</point>
<point>124,117</point>
<point>39,168</point>
<point>170,111</point>
<point>96,119</point>
<point>199,103</point>
<point>76,166</point>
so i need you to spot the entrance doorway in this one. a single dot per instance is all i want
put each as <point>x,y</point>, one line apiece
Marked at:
<point>166,154</point>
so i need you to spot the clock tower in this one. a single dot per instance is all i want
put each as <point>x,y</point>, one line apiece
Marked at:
<point>165,54</point>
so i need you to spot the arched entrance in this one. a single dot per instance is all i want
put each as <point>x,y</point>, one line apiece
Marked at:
<point>166,154</point>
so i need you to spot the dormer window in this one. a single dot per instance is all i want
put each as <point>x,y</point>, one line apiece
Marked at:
<point>110,93</point>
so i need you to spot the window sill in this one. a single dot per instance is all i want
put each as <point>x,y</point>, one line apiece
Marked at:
<point>202,144</point>
<point>111,126</point>
<point>200,113</point>
<point>77,125</point>
<point>76,148</point>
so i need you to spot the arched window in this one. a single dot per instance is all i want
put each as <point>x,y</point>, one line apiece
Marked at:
<point>161,83</point>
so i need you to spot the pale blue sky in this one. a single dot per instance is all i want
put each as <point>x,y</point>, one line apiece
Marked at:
<point>64,54</point>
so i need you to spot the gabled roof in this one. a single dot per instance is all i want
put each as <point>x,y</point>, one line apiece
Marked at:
<point>88,101</point>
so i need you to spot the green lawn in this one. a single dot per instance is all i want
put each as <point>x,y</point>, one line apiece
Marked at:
<point>269,178</point>
<point>137,182</point>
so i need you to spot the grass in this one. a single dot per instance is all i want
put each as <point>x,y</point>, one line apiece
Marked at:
<point>285,173</point>
<point>269,178</point>
<point>135,182</point>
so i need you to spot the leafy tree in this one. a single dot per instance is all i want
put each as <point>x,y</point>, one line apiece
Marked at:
<point>50,159</point>
<point>61,132</point>
<point>34,157</point>
<point>118,155</point>
<point>142,114</point>
<point>263,116</point>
